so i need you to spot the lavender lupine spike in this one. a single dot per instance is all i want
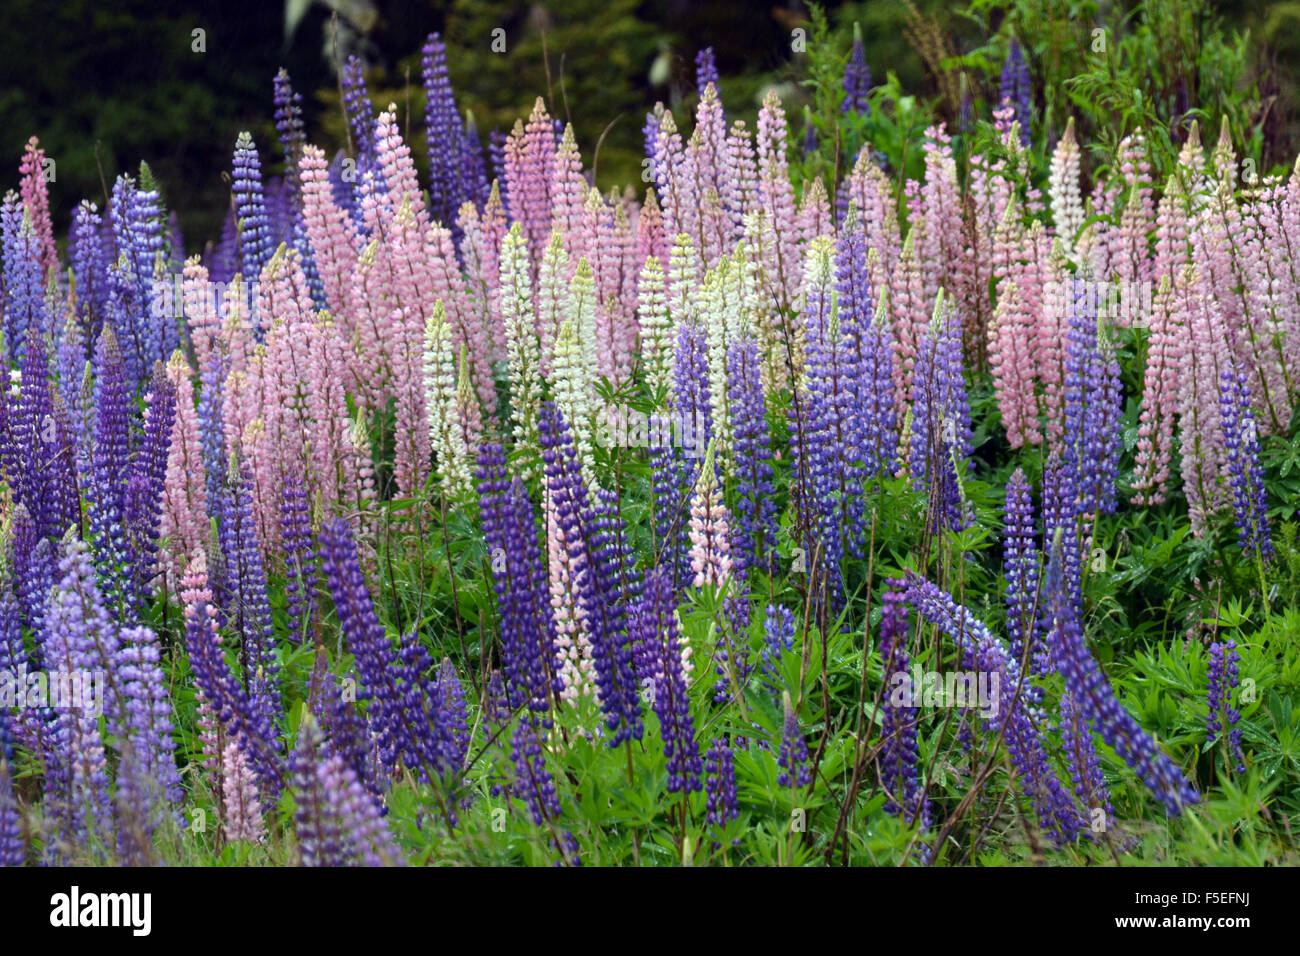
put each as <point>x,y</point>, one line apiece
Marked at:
<point>89,264</point>
<point>670,700</point>
<point>900,753</point>
<point>1086,683</point>
<point>1012,718</point>
<point>360,112</point>
<point>211,425</point>
<point>601,573</point>
<point>33,566</point>
<point>475,186</point>
<point>1245,471</point>
<point>36,455</point>
<point>668,471</point>
<point>1093,407</point>
<point>13,851</point>
<point>301,567</point>
<point>248,607</point>
<point>255,242</point>
<point>778,637</point>
<point>337,822</point>
<point>755,528</point>
<point>857,78</point>
<point>289,126</point>
<point>137,220</point>
<point>1015,88</point>
<point>1085,764</point>
<point>706,69</point>
<point>497,162</point>
<point>793,759</point>
<point>1021,569</point>
<point>519,578</point>
<point>1224,675</point>
<point>941,435</point>
<point>533,783</point>
<point>24,304</point>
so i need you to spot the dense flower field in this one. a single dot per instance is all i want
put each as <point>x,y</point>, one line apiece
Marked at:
<point>751,518</point>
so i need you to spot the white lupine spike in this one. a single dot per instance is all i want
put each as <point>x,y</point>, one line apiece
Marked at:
<point>571,387</point>
<point>582,312</point>
<point>683,277</point>
<point>446,433</point>
<point>1063,188</point>
<point>656,326</point>
<point>522,352</point>
<point>552,297</point>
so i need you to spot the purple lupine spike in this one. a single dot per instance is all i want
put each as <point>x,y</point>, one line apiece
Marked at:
<point>243,597</point>
<point>453,716</point>
<point>147,721</point>
<point>1245,471</point>
<point>754,534</point>
<point>1093,408</point>
<point>793,758</point>
<point>442,130</point>
<point>650,132</point>
<point>212,439</point>
<point>289,126</point>
<point>671,701</point>
<point>690,399</point>
<point>89,264</point>
<point>345,187</point>
<point>360,112</point>
<point>869,344</point>
<point>13,652</point>
<point>706,69</point>
<point>346,729</point>
<point>668,481</point>
<point>280,214</point>
<point>1021,568</point>
<point>301,567</point>
<point>857,78</point>
<point>107,492</point>
<point>1084,763</point>
<point>223,261</point>
<point>533,783</point>
<point>497,161</point>
<point>723,805</point>
<point>34,565</point>
<point>427,743</point>
<point>475,186</point>
<point>809,133</point>
<point>1223,679</point>
<point>71,360</point>
<point>1015,88</point>
<point>1019,725</point>
<point>336,821</point>
<point>33,455</point>
<point>138,221</point>
<point>601,574</point>
<point>778,637</point>
<point>900,753</point>
<point>941,434</point>
<point>254,224</point>
<point>23,287</point>
<point>13,851</point>
<point>529,654</point>
<point>1092,692</point>
<point>148,475</point>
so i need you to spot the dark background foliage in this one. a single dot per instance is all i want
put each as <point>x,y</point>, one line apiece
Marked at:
<point>105,86</point>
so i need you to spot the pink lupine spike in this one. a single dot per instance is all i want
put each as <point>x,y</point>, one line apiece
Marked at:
<point>569,197</point>
<point>1012,363</point>
<point>468,329</point>
<point>282,290</point>
<point>36,199</point>
<point>873,195</point>
<point>200,308</point>
<point>710,532</point>
<point>650,229</point>
<point>939,245</point>
<point>815,212</point>
<point>243,807</point>
<point>740,191</point>
<point>530,171</point>
<point>1128,251</point>
<point>480,248</point>
<point>909,319</point>
<point>333,237</point>
<point>401,182</point>
<point>184,520</point>
<point>1049,339</point>
<point>1166,355</point>
<point>776,200</point>
<point>1201,437</point>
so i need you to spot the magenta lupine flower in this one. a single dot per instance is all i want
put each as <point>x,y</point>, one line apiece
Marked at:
<point>1223,718</point>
